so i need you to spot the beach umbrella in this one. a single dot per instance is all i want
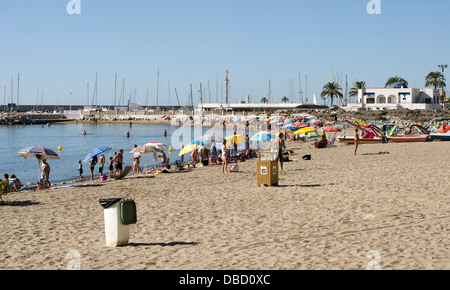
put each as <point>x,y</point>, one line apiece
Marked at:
<point>213,138</point>
<point>97,152</point>
<point>310,135</point>
<point>285,131</point>
<point>262,136</point>
<point>157,145</point>
<point>235,139</point>
<point>291,127</point>
<point>332,129</point>
<point>304,131</point>
<point>189,149</point>
<point>39,152</point>
<point>200,141</point>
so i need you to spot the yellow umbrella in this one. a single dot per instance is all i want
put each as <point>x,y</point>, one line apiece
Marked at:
<point>187,149</point>
<point>305,131</point>
<point>235,139</point>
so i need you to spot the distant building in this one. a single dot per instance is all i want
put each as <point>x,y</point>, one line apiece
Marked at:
<point>398,96</point>
<point>255,107</point>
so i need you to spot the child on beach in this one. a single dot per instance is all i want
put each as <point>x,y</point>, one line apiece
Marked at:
<point>80,168</point>
<point>111,166</point>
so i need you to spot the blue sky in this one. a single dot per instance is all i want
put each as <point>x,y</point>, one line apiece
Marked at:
<point>196,41</point>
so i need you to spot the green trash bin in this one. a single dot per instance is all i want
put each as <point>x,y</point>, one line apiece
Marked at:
<point>128,213</point>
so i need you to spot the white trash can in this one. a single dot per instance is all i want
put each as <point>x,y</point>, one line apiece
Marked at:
<point>117,232</point>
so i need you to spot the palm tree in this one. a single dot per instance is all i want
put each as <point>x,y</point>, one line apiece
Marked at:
<point>285,99</point>
<point>357,86</point>
<point>264,100</point>
<point>435,80</point>
<point>394,80</point>
<point>331,90</point>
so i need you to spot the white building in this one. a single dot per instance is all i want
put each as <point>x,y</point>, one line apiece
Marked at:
<point>398,96</point>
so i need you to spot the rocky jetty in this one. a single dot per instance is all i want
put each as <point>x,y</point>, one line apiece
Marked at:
<point>30,118</point>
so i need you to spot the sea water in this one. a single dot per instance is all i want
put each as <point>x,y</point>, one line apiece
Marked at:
<point>75,146</point>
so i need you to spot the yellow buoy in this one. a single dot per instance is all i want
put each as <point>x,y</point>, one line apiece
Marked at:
<point>170,150</point>
<point>60,149</point>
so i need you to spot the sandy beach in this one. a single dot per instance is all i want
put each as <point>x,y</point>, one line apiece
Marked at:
<point>327,213</point>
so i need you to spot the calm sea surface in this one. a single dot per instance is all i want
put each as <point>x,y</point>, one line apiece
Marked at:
<point>76,146</point>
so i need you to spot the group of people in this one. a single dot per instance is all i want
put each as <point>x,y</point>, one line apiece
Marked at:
<point>115,165</point>
<point>10,183</point>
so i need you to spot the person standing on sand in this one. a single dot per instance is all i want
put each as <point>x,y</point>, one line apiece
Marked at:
<point>101,164</point>
<point>45,172</point>
<point>224,156</point>
<point>92,164</point>
<point>356,140</point>
<point>118,159</point>
<point>281,145</point>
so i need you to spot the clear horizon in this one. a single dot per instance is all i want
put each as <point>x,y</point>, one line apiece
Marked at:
<point>194,42</point>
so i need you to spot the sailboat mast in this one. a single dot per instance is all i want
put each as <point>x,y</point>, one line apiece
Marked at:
<point>157,88</point>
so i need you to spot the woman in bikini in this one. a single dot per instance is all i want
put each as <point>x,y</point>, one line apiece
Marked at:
<point>356,140</point>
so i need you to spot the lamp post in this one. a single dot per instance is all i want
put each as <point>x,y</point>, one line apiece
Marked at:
<point>443,67</point>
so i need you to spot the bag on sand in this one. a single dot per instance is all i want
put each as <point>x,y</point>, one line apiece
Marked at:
<point>307,157</point>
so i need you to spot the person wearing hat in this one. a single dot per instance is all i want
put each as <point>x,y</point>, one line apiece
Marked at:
<point>80,168</point>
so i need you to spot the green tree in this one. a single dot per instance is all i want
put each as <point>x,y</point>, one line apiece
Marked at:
<point>357,86</point>
<point>331,90</point>
<point>435,80</point>
<point>285,99</point>
<point>264,100</point>
<point>394,80</point>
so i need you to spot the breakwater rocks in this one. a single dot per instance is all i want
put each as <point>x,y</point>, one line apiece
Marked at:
<point>30,118</point>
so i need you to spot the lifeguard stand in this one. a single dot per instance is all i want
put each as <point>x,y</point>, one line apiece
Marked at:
<point>267,168</point>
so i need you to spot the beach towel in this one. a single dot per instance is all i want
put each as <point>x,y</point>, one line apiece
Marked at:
<point>124,173</point>
<point>380,153</point>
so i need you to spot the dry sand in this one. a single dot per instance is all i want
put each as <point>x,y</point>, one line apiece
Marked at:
<point>327,213</point>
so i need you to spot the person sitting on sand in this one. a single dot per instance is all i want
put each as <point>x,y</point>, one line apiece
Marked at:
<point>166,169</point>
<point>204,155</point>
<point>322,143</point>
<point>14,182</point>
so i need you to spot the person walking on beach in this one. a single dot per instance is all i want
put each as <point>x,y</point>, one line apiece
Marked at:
<point>136,161</point>
<point>45,172</point>
<point>80,168</point>
<point>356,140</point>
<point>281,145</point>
<point>224,156</point>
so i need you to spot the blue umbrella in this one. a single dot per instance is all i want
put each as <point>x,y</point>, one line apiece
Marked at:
<point>97,152</point>
<point>262,136</point>
<point>200,142</point>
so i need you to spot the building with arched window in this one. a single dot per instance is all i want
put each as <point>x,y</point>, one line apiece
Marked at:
<point>397,96</point>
